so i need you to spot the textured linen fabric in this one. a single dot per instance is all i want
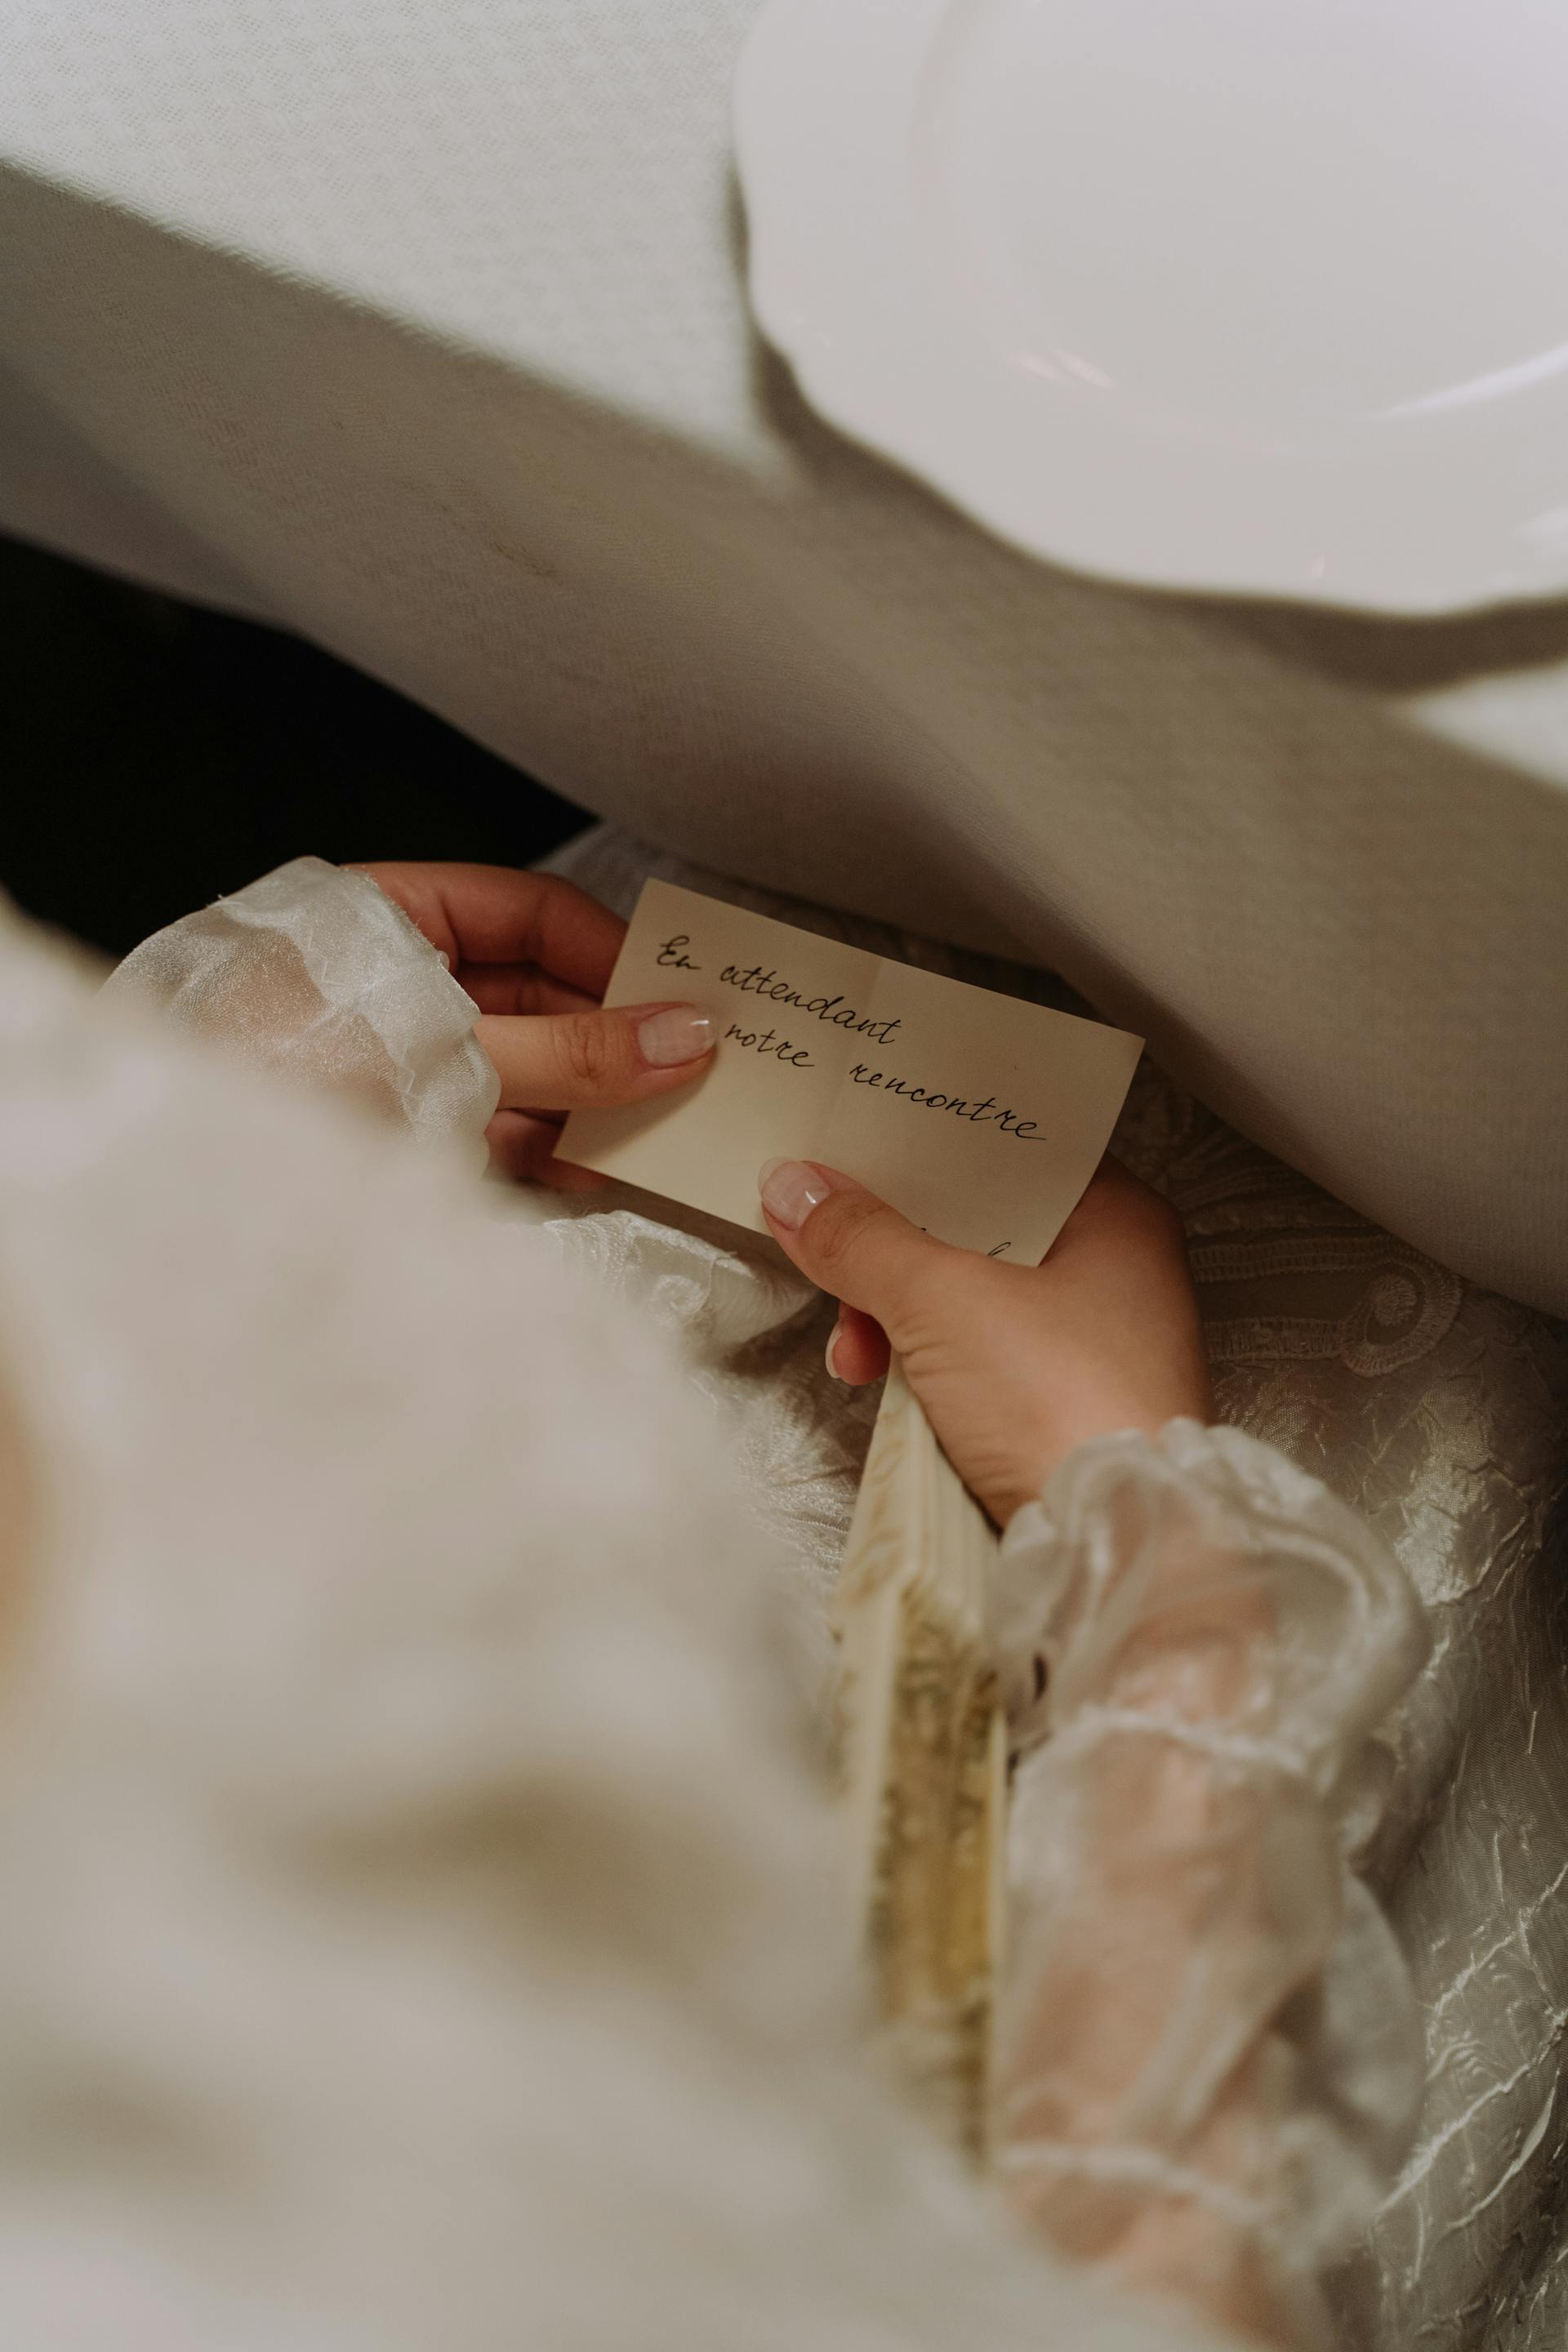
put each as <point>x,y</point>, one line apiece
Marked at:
<point>419,326</point>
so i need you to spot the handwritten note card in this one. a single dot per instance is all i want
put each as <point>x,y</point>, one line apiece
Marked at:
<point>980,1117</point>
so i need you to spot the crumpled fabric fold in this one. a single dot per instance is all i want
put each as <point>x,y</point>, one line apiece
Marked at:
<point>713,1297</point>
<point>1206,2022</point>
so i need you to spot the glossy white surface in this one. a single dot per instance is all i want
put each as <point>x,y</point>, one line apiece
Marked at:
<point>1232,294</point>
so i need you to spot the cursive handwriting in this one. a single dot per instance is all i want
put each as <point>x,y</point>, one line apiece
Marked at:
<point>756,979</point>
<point>988,1113</point>
<point>752,980</point>
<point>768,1041</point>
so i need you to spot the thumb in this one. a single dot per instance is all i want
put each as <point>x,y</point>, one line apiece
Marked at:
<point>848,1241</point>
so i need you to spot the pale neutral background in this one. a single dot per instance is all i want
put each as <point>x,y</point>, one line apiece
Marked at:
<point>419,326</point>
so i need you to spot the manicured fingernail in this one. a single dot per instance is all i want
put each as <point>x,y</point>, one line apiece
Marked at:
<point>790,1191</point>
<point>679,1033</point>
<point>828,1352</point>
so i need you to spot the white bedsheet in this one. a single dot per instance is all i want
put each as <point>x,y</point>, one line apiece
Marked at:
<point>419,325</point>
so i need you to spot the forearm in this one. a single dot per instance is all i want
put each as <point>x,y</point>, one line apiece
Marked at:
<point>1200,2094</point>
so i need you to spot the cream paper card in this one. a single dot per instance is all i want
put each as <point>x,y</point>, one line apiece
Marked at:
<point>980,1117</point>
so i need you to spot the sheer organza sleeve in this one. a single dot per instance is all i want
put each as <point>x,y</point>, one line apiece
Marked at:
<point>1210,2060</point>
<point>314,972</point>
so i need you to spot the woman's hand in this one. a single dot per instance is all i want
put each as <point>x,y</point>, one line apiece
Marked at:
<point>535,953</point>
<point>1014,1365</point>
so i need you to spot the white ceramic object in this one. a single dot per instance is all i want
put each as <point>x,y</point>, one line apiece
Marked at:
<point>1262,296</point>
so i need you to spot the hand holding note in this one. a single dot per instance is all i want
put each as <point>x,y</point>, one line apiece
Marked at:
<point>980,1117</point>
<point>535,954</point>
<point>1012,1365</point>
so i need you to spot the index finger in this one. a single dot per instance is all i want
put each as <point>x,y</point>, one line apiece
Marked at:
<point>499,914</point>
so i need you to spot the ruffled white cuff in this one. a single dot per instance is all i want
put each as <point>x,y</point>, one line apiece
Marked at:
<point>314,972</point>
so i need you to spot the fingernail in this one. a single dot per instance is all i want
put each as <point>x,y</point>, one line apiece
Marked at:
<point>679,1033</point>
<point>834,1371</point>
<point>790,1191</point>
